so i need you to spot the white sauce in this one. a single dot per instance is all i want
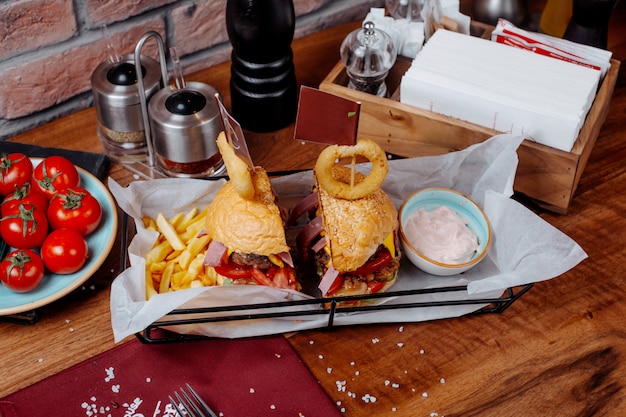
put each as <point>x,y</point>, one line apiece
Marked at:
<point>441,235</point>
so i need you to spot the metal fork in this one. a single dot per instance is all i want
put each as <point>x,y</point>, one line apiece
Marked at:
<point>192,405</point>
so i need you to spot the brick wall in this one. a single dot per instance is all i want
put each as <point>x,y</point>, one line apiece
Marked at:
<point>49,48</point>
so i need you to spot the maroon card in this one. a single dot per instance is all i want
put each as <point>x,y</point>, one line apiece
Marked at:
<point>245,377</point>
<point>326,118</point>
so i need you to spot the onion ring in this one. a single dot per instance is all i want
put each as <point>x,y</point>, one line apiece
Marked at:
<point>351,191</point>
<point>239,172</point>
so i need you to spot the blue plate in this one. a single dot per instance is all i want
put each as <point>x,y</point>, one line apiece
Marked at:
<point>100,243</point>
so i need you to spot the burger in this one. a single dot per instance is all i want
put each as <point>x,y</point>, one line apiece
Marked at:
<point>351,242</point>
<point>248,243</point>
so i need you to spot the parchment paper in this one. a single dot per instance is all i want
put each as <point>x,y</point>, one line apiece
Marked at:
<point>525,248</point>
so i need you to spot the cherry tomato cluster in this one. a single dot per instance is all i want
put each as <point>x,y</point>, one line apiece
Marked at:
<point>44,216</point>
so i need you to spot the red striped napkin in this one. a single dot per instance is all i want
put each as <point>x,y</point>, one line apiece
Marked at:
<point>243,377</point>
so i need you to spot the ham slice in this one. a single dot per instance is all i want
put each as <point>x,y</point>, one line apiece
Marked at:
<point>214,253</point>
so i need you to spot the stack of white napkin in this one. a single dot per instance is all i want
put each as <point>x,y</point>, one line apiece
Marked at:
<point>507,89</point>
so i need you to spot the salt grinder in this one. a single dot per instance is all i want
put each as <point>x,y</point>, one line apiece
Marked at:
<point>184,123</point>
<point>368,54</point>
<point>118,109</point>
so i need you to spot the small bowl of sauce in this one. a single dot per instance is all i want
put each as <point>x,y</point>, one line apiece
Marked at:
<point>443,232</point>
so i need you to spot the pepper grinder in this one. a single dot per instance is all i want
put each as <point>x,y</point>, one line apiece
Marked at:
<point>263,81</point>
<point>368,54</point>
<point>589,24</point>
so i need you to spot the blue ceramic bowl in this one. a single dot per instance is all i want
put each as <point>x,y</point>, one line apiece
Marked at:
<point>430,199</point>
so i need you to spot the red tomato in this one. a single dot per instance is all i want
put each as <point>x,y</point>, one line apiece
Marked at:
<point>54,174</point>
<point>25,194</point>
<point>24,227</point>
<point>21,270</point>
<point>74,208</point>
<point>377,261</point>
<point>373,287</point>
<point>16,169</point>
<point>230,270</point>
<point>64,251</point>
<point>336,285</point>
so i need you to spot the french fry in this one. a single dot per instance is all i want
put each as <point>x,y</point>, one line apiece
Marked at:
<point>150,291</point>
<point>149,223</point>
<point>176,260</point>
<point>159,252</point>
<point>186,220</point>
<point>166,277</point>
<point>194,246</point>
<point>176,219</point>
<point>168,231</point>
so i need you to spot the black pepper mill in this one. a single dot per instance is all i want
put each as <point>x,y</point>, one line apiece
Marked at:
<point>263,81</point>
<point>589,24</point>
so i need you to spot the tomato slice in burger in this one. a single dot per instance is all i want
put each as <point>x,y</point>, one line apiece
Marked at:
<point>380,259</point>
<point>375,286</point>
<point>230,270</point>
<point>336,285</point>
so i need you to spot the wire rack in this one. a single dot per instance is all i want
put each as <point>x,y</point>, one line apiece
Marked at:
<point>164,330</point>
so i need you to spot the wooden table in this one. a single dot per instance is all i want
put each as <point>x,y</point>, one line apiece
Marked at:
<point>559,350</point>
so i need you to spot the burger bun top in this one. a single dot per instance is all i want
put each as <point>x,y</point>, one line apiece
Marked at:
<point>355,228</point>
<point>247,226</point>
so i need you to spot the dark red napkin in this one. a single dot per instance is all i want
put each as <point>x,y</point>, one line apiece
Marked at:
<point>243,377</point>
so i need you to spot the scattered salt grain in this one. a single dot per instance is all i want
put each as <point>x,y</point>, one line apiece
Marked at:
<point>401,329</point>
<point>357,373</point>
<point>40,360</point>
<point>272,407</point>
<point>329,370</point>
<point>368,398</point>
<point>424,394</point>
<point>352,363</point>
<point>421,351</point>
<point>67,321</point>
<point>343,410</point>
<point>434,414</point>
<point>341,385</point>
<point>387,382</point>
<point>110,371</point>
<point>395,385</point>
<point>278,355</point>
<point>400,344</point>
<point>71,329</point>
<point>442,380</point>
<point>311,342</point>
<point>320,356</point>
<point>148,379</point>
<point>375,340</point>
<point>135,176</point>
<point>251,390</point>
<point>393,409</point>
<point>115,388</point>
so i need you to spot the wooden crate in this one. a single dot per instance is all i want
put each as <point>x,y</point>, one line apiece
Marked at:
<point>546,175</point>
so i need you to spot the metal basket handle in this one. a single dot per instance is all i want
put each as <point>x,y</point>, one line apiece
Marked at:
<point>141,87</point>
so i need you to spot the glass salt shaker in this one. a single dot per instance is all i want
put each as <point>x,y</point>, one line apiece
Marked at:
<point>368,54</point>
